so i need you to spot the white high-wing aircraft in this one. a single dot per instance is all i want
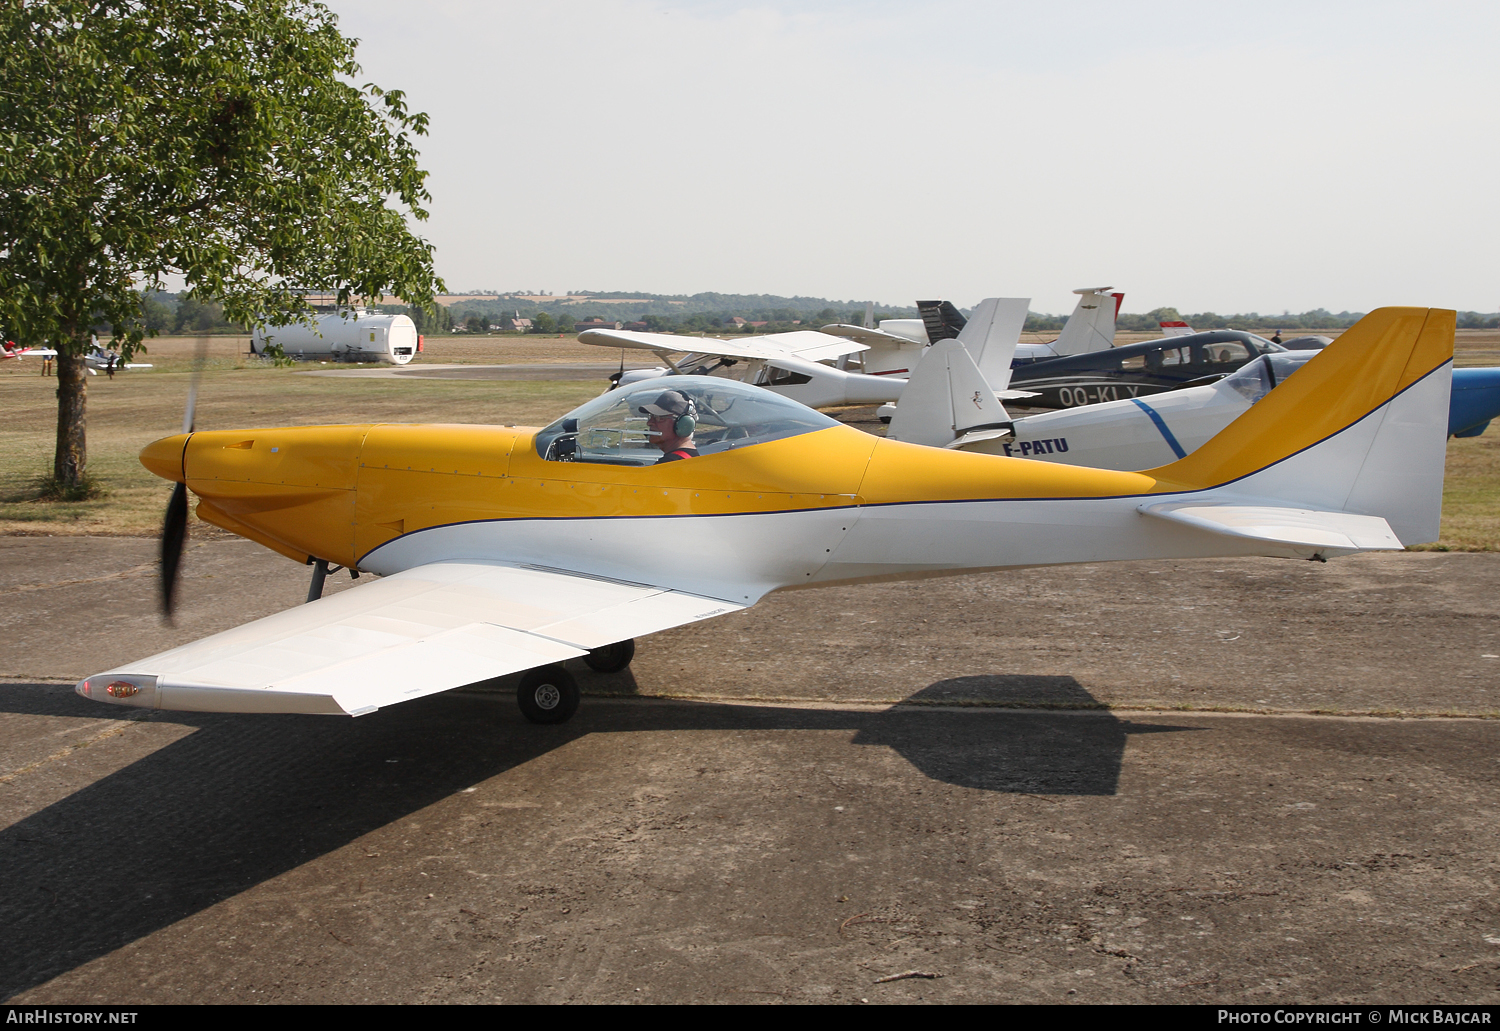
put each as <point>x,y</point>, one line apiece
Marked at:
<point>790,364</point>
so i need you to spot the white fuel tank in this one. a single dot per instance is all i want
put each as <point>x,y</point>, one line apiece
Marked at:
<point>353,336</point>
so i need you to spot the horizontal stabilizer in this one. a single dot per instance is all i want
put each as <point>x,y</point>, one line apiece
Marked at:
<point>1298,527</point>
<point>976,436</point>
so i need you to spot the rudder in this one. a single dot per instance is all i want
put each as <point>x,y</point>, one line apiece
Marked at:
<point>1361,428</point>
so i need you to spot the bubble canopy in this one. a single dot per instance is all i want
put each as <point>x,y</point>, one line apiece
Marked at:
<point>611,429</point>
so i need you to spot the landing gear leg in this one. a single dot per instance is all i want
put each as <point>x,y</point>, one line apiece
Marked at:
<point>320,573</point>
<point>321,569</point>
<point>612,657</point>
<point>548,694</point>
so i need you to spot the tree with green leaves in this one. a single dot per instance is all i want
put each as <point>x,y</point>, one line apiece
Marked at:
<point>226,142</point>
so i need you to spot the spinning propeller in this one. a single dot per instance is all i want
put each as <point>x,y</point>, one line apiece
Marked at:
<point>174,529</point>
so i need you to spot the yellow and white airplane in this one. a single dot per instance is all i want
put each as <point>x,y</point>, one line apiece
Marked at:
<point>501,550</point>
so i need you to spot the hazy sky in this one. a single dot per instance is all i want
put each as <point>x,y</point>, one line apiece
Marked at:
<point>1226,157</point>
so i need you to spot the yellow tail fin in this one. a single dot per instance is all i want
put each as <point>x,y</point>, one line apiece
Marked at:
<point>1381,355</point>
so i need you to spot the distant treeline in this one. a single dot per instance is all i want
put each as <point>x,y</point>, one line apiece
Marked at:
<point>176,314</point>
<point>634,306</point>
<point>1317,319</point>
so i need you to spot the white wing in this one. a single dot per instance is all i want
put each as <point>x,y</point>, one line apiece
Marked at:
<point>414,633</point>
<point>865,335</point>
<point>806,344</point>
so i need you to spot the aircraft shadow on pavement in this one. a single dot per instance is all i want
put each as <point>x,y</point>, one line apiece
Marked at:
<point>244,799</point>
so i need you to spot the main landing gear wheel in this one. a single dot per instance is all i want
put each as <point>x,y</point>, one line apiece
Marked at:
<point>612,657</point>
<point>548,694</point>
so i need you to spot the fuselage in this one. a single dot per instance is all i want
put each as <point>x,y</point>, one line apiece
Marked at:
<point>834,505</point>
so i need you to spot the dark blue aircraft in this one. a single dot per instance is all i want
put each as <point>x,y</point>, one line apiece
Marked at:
<point>1137,370</point>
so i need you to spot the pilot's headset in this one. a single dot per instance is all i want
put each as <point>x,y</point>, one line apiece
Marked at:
<point>678,404</point>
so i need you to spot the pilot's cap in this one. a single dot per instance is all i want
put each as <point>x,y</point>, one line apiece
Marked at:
<point>669,402</point>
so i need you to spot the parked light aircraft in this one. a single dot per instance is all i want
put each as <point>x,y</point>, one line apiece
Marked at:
<point>1130,434</point>
<point>1120,373</point>
<point>1311,342</point>
<point>893,348</point>
<point>97,358</point>
<point>1138,370</point>
<point>1090,327</point>
<point>505,549</point>
<point>788,363</point>
<point>792,364</point>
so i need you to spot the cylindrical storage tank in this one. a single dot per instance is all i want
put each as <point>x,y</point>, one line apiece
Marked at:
<point>344,337</point>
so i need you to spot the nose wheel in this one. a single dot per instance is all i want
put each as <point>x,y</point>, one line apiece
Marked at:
<point>548,694</point>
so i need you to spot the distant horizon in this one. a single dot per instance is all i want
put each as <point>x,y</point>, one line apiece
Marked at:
<point>620,298</point>
<point>1272,157</point>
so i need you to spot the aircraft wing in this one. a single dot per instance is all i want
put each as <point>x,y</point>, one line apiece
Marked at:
<point>1299,527</point>
<point>814,347</point>
<point>415,633</point>
<point>865,335</point>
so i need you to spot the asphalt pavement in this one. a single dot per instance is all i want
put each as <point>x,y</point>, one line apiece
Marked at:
<point>1225,780</point>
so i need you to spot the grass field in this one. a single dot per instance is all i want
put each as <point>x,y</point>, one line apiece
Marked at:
<point>134,408</point>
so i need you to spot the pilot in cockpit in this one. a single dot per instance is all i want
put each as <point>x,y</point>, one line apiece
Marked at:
<point>670,421</point>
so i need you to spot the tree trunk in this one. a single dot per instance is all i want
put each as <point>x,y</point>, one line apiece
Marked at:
<point>72,398</point>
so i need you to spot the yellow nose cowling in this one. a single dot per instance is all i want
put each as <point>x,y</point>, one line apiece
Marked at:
<point>164,457</point>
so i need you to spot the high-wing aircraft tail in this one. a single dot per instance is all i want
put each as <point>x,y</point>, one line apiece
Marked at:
<point>1091,327</point>
<point>1361,429</point>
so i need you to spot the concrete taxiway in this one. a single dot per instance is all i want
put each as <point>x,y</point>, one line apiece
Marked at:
<point>1227,780</point>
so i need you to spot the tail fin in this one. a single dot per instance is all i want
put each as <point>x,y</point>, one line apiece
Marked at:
<point>943,321</point>
<point>1091,327</point>
<point>1361,428</point>
<point>1175,328</point>
<point>869,314</point>
<point>946,397</point>
<point>991,336</point>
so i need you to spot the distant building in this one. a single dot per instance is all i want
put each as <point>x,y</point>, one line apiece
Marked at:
<point>638,327</point>
<point>514,325</point>
<point>738,321</point>
<point>579,327</point>
<point>757,325</point>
